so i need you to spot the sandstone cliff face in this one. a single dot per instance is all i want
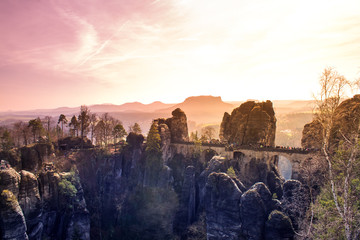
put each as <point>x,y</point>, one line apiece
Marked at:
<point>346,120</point>
<point>231,214</point>
<point>222,207</point>
<point>250,124</point>
<point>33,156</point>
<point>10,180</point>
<point>178,126</point>
<point>12,221</point>
<point>39,208</point>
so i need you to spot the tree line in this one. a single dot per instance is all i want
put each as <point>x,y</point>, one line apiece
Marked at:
<point>102,130</point>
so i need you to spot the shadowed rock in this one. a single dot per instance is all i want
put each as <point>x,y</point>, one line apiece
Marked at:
<point>278,227</point>
<point>253,215</point>
<point>222,207</point>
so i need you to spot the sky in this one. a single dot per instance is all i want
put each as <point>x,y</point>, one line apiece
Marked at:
<point>56,53</point>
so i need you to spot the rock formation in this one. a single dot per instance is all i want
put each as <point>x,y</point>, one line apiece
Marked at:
<point>346,120</point>
<point>187,210</point>
<point>250,124</point>
<point>222,207</point>
<point>278,227</point>
<point>178,126</point>
<point>33,156</point>
<point>12,221</point>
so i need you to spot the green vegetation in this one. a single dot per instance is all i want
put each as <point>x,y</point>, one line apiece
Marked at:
<point>153,164</point>
<point>231,172</point>
<point>135,128</point>
<point>67,189</point>
<point>6,141</point>
<point>36,128</point>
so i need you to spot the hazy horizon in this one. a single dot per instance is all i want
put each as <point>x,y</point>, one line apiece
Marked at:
<point>167,103</point>
<point>68,53</point>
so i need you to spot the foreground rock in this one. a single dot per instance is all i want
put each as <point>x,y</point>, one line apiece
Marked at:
<point>12,221</point>
<point>278,227</point>
<point>250,124</point>
<point>222,207</point>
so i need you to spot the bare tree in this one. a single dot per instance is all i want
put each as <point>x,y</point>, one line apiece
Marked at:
<point>333,87</point>
<point>208,132</point>
<point>92,122</point>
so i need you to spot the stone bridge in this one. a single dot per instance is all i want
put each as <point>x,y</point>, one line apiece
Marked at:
<point>287,160</point>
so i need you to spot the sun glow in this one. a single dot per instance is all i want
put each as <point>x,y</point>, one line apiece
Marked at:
<point>117,52</point>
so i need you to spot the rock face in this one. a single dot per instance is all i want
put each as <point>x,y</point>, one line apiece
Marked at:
<point>187,209</point>
<point>51,207</point>
<point>74,143</point>
<point>10,180</point>
<point>222,207</point>
<point>253,215</point>
<point>278,227</point>
<point>250,124</point>
<point>346,119</point>
<point>178,126</point>
<point>312,135</point>
<point>295,201</point>
<point>30,202</point>
<point>12,221</point>
<point>33,156</point>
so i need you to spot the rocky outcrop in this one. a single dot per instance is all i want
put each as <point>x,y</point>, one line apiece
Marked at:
<point>74,143</point>
<point>312,135</point>
<point>13,158</point>
<point>30,203</point>
<point>12,221</point>
<point>33,156</point>
<point>187,209</point>
<point>278,227</point>
<point>346,121</point>
<point>178,126</point>
<point>295,201</point>
<point>10,180</point>
<point>253,215</point>
<point>165,136</point>
<point>222,207</point>
<point>250,124</point>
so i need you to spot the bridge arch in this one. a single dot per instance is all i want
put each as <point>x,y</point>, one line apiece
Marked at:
<point>285,167</point>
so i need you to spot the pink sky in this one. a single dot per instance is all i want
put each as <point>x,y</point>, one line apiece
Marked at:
<point>57,53</point>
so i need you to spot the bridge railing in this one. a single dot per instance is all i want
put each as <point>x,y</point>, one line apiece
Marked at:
<point>234,147</point>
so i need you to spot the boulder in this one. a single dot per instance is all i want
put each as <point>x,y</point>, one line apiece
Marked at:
<point>250,124</point>
<point>222,207</point>
<point>12,221</point>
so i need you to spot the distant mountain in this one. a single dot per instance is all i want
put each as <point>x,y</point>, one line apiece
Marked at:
<point>128,107</point>
<point>203,109</point>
